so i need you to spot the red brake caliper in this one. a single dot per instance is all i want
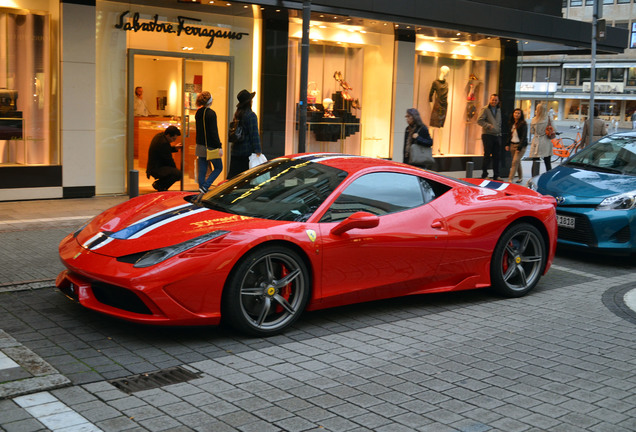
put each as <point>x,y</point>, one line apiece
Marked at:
<point>285,291</point>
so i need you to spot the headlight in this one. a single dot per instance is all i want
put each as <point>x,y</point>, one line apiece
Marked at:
<point>156,256</point>
<point>626,201</point>
<point>532,183</point>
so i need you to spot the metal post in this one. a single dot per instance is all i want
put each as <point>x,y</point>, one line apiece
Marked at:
<point>596,14</point>
<point>304,72</point>
<point>469,169</point>
<point>536,167</point>
<point>133,183</point>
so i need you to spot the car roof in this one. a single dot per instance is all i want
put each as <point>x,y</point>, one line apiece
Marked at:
<point>349,163</point>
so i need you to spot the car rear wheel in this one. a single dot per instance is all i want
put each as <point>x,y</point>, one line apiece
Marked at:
<point>518,260</point>
<point>267,291</point>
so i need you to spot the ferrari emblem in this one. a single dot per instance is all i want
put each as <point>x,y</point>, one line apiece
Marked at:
<point>312,235</point>
<point>271,291</point>
<point>518,260</point>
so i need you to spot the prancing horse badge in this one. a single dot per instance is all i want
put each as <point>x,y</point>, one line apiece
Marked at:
<point>311,234</point>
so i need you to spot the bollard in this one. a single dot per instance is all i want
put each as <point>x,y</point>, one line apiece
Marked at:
<point>469,169</point>
<point>133,183</point>
<point>536,167</point>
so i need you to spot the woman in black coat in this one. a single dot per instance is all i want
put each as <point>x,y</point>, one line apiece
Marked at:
<point>517,143</point>
<point>416,133</point>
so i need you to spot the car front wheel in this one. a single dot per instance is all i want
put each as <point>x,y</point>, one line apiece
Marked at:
<point>267,291</point>
<point>518,260</point>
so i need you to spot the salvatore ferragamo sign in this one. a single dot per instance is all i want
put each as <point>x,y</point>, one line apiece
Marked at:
<point>180,28</point>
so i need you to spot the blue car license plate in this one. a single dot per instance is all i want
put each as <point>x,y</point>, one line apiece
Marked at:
<point>565,221</point>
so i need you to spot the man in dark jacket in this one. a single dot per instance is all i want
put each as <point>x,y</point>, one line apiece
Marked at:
<point>490,121</point>
<point>160,163</point>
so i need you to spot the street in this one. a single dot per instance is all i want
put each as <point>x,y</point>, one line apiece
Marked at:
<point>561,358</point>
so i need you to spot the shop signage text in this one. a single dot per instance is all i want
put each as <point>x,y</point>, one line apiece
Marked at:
<point>157,27</point>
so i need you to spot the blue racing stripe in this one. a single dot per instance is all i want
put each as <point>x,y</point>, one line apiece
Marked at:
<point>130,231</point>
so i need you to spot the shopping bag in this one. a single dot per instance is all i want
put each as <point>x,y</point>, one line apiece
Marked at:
<point>256,160</point>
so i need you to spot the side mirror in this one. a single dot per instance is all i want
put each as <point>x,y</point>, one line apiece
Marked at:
<point>361,220</point>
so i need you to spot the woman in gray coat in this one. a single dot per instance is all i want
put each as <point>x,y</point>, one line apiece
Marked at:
<point>541,145</point>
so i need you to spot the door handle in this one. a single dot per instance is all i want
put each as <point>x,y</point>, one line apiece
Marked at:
<point>437,225</point>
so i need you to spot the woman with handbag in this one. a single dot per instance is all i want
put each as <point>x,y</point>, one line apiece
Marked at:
<point>208,149</point>
<point>517,143</point>
<point>418,143</point>
<point>250,141</point>
<point>541,145</point>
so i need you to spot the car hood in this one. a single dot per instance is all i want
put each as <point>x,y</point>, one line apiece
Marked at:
<point>158,220</point>
<point>579,186</point>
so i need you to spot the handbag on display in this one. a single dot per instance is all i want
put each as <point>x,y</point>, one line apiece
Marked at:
<point>549,130</point>
<point>312,93</point>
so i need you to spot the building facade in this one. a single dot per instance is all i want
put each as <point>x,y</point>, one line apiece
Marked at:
<point>563,79</point>
<point>89,83</point>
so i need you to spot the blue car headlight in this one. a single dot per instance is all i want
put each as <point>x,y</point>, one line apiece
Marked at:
<point>156,256</point>
<point>624,201</point>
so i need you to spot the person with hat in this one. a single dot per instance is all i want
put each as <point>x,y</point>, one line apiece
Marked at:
<point>250,141</point>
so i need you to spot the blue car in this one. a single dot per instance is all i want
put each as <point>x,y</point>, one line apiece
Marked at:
<point>595,191</point>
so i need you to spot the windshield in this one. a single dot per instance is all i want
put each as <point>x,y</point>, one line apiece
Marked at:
<point>614,154</point>
<point>282,189</point>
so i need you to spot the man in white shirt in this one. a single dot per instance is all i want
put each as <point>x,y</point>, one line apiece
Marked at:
<point>140,106</point>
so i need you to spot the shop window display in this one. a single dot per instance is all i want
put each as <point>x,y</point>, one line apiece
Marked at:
<point>333,122</point>
<point>25,123</point>
<point>450,93</point>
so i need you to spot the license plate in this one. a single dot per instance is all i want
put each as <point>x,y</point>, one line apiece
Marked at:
<point>565,221</point>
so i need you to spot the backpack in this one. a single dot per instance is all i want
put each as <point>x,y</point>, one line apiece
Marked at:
<point>237,134</point>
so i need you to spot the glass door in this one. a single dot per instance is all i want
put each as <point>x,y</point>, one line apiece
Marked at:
<point>164,93</point>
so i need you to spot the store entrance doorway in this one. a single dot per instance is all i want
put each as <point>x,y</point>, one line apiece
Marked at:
<point>162,92</point>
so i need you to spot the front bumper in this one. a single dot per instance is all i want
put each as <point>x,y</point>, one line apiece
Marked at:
<point>607,230</point>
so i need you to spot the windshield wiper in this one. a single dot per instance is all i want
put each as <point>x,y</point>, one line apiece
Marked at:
<point>595,167</point>
<point>214,206</point>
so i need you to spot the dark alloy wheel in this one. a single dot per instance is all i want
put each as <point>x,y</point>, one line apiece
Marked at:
<point>267,292</point>
<point>518,260</point>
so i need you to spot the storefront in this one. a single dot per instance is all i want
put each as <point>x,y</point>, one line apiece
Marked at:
<point>107,76</point>
<point>28,96</point>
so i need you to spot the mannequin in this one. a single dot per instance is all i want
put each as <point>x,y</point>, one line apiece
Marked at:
<point>439,89</point>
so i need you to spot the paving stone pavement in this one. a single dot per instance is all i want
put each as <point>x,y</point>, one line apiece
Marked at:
<point>560,359</point>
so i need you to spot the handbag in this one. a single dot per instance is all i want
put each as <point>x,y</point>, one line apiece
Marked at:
<point>210,153</point>
<point>549,130</point>
<point>312,93</point>
<point>236,132</point>
<point>421,156</point>
<point>213,153</point>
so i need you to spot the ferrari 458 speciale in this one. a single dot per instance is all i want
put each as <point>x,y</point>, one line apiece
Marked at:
<point>306,232</point>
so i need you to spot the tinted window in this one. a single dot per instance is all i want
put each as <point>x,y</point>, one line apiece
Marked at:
<point>282,189</point>
<point>380,194</point>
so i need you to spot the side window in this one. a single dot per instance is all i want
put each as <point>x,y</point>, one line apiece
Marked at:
<point>379,194</point>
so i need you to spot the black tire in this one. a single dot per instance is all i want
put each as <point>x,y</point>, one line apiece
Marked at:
<point>267,291</point>
<point>518,260</point>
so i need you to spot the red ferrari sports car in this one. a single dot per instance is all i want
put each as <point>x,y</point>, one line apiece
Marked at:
<point>306,232</point>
